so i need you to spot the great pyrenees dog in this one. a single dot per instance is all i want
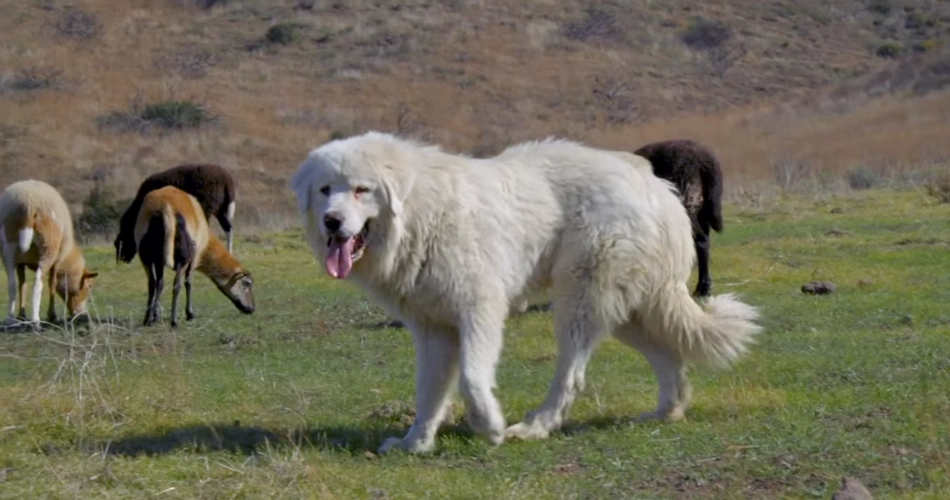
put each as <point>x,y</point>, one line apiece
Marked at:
<point>448,243</point>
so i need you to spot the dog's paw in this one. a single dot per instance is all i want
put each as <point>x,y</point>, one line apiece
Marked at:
<point>526,431</point>
<point>674,414</point>
<point>416,446</point>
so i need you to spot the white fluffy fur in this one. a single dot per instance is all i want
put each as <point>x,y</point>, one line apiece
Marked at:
<point>454,242</point>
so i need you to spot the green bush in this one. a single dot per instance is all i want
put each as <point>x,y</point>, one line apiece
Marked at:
<point>169,114</point>
<point>285,33</point>
<point>889,50</point>
<point>100,215</point>
<point>705,34</point>
<point>176,114</point>
<point>862,177</point>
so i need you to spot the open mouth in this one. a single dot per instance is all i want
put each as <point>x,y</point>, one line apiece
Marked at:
<point>343,252</point>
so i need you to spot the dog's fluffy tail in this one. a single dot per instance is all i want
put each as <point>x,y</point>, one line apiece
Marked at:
<point>714,334</point>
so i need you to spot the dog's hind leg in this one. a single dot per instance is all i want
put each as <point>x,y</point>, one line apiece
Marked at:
<point>436,372</point>
<point>578,333</point>
<point>675,392</point>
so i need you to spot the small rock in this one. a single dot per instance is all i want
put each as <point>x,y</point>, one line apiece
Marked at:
<point>852,489</point>
<point>818,288</point>
<point>864,283</point>
<point>837,210</point>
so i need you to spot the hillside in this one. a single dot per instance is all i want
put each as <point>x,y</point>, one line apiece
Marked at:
<point>101,91</point>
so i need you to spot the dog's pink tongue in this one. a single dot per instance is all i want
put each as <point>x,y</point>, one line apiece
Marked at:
<point>340,258</point>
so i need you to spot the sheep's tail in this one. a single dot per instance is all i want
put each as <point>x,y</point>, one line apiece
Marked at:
<point>27,228</point>
<point>170,223</point>
<point>715,334</point>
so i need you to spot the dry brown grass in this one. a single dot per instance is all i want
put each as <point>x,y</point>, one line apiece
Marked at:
<point>474,75</point>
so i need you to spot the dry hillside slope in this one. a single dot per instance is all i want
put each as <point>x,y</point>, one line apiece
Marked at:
<point>106,91</point>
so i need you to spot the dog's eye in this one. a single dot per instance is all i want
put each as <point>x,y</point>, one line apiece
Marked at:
<point>325,190</point>
<point>362,189</point>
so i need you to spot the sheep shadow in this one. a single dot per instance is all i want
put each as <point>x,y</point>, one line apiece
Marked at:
<point>252,439</point>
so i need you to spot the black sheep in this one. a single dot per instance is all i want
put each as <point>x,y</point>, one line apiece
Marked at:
<point>211,185</point>
<point>696,173</point>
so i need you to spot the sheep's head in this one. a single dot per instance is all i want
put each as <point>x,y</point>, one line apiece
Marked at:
<point>75,290</point>
<point>240,289</point>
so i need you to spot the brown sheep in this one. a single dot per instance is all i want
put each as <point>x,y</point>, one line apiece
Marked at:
<point>696,173</point>
<point>211,185</point>
<point>171,231</point>
<point>37,233</point>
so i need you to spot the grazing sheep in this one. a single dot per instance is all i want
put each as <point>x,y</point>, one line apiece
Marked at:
<point>696,173</point>
<point>171,231</point>
<point>211,185</point>
<point>36,231</point>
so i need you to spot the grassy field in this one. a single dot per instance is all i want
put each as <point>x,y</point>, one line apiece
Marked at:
<point>293,401</point>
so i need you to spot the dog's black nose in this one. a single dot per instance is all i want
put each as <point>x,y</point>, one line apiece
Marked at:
<point>332,222</point>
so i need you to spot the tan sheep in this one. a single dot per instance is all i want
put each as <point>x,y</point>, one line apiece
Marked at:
<point>37,232</point>
<point>172,231</point>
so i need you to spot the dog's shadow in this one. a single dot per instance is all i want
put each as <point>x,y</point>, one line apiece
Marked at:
<point>252,439</point>
<point>533,308</point>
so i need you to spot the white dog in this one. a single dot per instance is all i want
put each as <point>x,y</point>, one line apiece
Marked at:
<point>448,244</point>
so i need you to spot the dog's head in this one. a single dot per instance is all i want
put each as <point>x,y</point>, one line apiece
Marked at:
<point>348,197</point>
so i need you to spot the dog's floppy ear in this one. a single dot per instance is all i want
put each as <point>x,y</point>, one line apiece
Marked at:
<point>300,185</point>
<point>395,191</point>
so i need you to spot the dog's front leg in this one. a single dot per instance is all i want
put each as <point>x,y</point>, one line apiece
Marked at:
<point>436,373</point>
<point>480,340</point>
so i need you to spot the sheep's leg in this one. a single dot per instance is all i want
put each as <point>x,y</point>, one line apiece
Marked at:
<point>155,283</point>
<point>51,308</point>
<point>704,283</point>
<point>151,296</point>
<point>14,300</point>
<point>176,290</point>
<point>37,295</point>
<point>21,298</point>
<point>226,224</point>
<point>189,309</point>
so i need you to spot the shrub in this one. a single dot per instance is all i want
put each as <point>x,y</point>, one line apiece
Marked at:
<point>78,24</point>
<point>35,78</point>
<point>176,114</point>
<point>170,114</point>
<point>790,172</point>
<point>939,188</point>
<point>101,212</point>
<point>889,49</point>
<point>285,33</point>
<point>882,7</point>
<point>862,177</point>
<point>597,25</point>
<point>705,34</point>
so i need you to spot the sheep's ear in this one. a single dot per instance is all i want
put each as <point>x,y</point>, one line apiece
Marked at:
<point>88,275</point>
<point>300,185</point>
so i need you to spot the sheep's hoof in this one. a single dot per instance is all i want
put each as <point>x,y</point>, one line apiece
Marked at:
<point>189,316</point>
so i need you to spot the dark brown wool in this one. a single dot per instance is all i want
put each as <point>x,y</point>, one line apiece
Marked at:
<point>696,173</point>
<point>211,185</point>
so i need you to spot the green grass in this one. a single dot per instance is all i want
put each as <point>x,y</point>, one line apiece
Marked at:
<point>287,403</point>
